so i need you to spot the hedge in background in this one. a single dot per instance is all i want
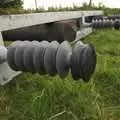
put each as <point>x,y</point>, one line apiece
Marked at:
<point>11,3</point>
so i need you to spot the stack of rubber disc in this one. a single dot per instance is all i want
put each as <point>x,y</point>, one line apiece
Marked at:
<point>96,24</point>
<point>83,61</point>
<point>53,58</point>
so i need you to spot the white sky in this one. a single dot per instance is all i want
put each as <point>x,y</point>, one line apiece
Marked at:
<point>46,3</point>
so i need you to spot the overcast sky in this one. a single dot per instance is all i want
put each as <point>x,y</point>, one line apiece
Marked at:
<point>46,3</point>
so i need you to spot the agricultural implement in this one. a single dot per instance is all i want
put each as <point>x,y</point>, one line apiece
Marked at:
<point>47,57</point>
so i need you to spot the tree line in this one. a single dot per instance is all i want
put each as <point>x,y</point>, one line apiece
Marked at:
<point>11,3</point>
<point>15,7</point>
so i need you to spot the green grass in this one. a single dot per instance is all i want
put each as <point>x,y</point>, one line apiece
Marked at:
<point>106,41</point>
<point>35,97</point>
<point>107,75</point>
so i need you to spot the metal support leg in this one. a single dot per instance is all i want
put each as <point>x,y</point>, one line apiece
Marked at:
<point>83,20</point>
<point>6,74</point>
<point>1,39</point>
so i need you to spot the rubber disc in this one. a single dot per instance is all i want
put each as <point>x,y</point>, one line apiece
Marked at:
<point>11,55</point>
<point>116,25</point>
<point>63,58</point>
<point>76,59</point>
<point>28,57</point>
<point>100,24</point>
<point>88,62</point>
<point>19,54</point>
<point>35,42</point>
<point>50,58</point>
<point>45,43</point>
<point>38,59</point>
<point>93,24</point>
<point>97,25</point>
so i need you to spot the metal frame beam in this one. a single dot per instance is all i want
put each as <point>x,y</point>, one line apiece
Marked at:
<point>8,22</point>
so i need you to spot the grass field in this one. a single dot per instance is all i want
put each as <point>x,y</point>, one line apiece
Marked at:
<point>35,97</point>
